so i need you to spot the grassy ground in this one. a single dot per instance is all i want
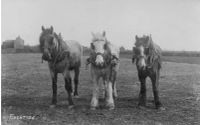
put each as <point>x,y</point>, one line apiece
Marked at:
<point>26,90</point>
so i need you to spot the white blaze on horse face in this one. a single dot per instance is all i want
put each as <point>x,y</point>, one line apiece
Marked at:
<point>99,48</point>
<point>55,41</point>
<point>141,62</point>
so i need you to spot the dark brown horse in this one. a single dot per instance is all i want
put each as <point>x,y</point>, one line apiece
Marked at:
<point>148,61</point>
<point>62,57</point>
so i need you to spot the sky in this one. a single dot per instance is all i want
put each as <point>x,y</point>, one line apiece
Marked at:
<point>173,24</point>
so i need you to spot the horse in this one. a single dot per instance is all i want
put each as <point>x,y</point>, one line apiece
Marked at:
<point>62,57</point>
<point>148,56</point>
<point>104,60</point>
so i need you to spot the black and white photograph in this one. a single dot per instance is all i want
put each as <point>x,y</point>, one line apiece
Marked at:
<point>100,62</point>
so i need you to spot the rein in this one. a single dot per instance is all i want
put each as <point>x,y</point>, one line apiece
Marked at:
<point>92,60</point>
<point>112,61</point>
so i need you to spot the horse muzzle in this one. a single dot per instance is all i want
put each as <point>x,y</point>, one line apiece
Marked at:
<point>46,57</point>
<point>141,64</point>
<point>99,60</point>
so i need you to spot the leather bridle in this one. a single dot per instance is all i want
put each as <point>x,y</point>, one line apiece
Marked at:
<point>60,56</point>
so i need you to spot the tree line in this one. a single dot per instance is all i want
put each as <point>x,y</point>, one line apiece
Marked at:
<point>123,52</point>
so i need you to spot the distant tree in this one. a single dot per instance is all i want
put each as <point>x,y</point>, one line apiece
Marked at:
<point>122,49</point>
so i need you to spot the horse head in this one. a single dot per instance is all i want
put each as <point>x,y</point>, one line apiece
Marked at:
<point>100,50</point>
<point>48,43</point>
<point>141,51</point>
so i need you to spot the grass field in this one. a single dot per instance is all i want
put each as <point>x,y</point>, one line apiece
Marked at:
<point>26,91</point>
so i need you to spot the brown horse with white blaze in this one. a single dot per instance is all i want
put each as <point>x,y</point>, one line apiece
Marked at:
<point>104,60</point>
<point>62,57</point>
<point>148,61</point>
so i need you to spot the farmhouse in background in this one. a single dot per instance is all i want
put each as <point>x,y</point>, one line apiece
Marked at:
<point>13,46</point>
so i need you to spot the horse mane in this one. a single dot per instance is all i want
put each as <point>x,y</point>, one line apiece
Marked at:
<point>155,53</point>
<point>62,45</point>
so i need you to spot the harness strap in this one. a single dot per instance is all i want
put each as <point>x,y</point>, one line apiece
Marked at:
<point>60,56</point>
<point>114,61</point>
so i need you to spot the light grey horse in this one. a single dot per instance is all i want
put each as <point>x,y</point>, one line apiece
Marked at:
<point>104,60</point>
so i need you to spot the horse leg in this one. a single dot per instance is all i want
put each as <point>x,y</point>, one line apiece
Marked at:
<point>114,90</point>
<point>142,94</point>
<point>109,95</point>
<point>114,84</point>
<point>155,84</point>
<point>104,90</point>
<point>54,88</point>
<point>68,87</point>
<point>95,93</point>
<point>76,81</point>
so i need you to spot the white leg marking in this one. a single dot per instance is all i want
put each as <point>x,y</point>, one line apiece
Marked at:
<point>109,99</point>
<point>95,94</point>
<point>115,90</point>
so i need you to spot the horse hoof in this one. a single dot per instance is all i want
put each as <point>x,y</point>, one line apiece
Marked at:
<point>70,106</point>
<point>111,108</point>
<point>161,108</point>
<point>52,106</point>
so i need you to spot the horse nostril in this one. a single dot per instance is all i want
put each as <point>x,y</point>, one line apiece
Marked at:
<point>46,56</point>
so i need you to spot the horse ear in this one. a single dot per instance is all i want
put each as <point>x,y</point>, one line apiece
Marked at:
<point>104,33</point>
<point>136,37</point>
<point>43,28</point>
<point>51,29</point>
